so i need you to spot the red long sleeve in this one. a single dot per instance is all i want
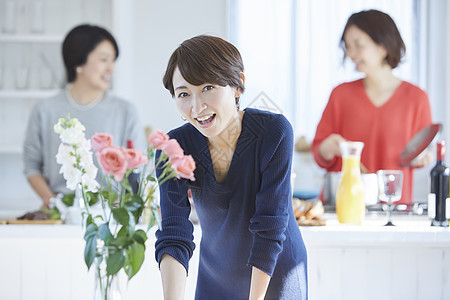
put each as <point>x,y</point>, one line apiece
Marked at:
<point>385,130</point>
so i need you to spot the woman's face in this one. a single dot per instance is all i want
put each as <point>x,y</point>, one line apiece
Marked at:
<point>363,51</point>
<point>98,69</point>
<point>208,107</point>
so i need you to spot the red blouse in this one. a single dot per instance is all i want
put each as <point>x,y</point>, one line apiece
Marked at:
<point>385,130</point>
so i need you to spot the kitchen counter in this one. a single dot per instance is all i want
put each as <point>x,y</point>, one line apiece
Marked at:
<point>372,261</point>
<point>409,261</point>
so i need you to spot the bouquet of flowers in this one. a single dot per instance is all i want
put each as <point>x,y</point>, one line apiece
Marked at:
<point>112,237</point>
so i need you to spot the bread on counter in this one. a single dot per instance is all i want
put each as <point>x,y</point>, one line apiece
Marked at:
<point>308,212</point>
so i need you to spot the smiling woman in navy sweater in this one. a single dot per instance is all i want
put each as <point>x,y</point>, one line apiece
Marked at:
<point>251,245</point>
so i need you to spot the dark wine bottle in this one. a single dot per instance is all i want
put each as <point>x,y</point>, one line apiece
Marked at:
<point>134,176</point>
<point>437,199</point>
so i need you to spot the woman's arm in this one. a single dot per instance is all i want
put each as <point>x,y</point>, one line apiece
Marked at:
<point>173,276</point>
<point>325,145</point>
<point>259,283</point>
<point>40,186</point>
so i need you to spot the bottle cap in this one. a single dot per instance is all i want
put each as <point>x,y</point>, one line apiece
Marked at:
<point>440,150</point>
<point>130,144</point>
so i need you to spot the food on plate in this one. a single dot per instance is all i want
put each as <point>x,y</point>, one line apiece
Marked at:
<point>35,215</point>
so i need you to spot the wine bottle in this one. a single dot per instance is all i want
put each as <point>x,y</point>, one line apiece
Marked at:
<point>437,198</point>
<point>134,176</point>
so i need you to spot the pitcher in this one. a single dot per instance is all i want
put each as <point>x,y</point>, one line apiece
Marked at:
<point>350,207</point>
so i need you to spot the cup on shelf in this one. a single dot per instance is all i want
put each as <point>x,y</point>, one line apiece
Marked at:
<point>45,78</point>
<point>22,76</point>
<point>2,77</point>
<point>9,16</point>
<point>37,16</point>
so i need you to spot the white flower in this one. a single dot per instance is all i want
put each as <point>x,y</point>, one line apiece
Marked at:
<point>77,125</point>
<point>88,178</point>
<point>72,176</point>
<point>58,128</point>
<point>64,156</point>
<point>72,136</point>
<point>90,183</point>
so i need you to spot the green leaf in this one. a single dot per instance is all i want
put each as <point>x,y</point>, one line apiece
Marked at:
<point>135,259</point>
<point>140,236</point>
<point>121,215</point>
<point>104,233</point>
<point>126,197</point>
<point>135,205</point>
<point>131,224</point>
<point>123,232</point>
<point>151,178</point>
<point>89,220</point>
<point>91,229</point>
<point>110,196</point>
<point>114,262</point>
<point>151,222</point>
<point>123,242</point>
<point>92,198</point>
<point>68,199</point>
<point>91,244</point>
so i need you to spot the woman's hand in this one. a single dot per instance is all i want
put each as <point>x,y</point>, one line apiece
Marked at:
<point>329,147</point>
<point>425,160</point>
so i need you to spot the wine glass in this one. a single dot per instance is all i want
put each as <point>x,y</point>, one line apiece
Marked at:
<point>390,189</point>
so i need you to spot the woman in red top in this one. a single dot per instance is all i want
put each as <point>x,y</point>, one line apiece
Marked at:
<point>380,110</point>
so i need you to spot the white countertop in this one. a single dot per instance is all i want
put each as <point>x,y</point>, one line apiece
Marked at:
<point>409,229</point>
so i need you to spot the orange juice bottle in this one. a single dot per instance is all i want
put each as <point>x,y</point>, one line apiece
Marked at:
<point>350,207</point>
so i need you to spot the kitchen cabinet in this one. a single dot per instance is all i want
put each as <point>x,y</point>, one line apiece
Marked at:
<point>31,69</point>
<point>345,262</point>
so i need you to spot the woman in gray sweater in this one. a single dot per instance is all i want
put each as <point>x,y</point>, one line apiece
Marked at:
<point>89,54</point>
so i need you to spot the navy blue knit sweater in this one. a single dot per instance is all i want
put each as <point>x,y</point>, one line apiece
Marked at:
<point>246,221</point>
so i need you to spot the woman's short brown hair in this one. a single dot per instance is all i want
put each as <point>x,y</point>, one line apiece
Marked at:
<point>382,30</point>
<point>206,59</point>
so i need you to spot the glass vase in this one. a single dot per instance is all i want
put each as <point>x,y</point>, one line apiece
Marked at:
<point>350,207</point>
<point>106,286</point>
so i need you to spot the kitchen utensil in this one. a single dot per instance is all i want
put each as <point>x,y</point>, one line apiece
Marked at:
<point>418,146</point>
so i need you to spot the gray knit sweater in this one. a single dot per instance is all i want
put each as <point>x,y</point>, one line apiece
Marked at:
<point>110,114</point>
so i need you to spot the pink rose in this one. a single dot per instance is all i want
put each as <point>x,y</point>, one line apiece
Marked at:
<point>184,167</point>
<point>113,161</point>
<point>135,158</point>
<point>101,141</point>
<point>172,149</point>
<point>157,138</point>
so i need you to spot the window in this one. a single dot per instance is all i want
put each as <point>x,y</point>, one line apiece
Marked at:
<point>292,56</point>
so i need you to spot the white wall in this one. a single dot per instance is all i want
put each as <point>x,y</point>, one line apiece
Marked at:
<point>148,32</point>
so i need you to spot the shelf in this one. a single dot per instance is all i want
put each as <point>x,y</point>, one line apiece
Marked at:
<point>30,38</point>
<point>38,94</point>
<point>11,150</point>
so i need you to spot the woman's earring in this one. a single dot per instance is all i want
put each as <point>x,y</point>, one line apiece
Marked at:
<point>78,69</point>
<point>183,118</point>
<point>237,102</point>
